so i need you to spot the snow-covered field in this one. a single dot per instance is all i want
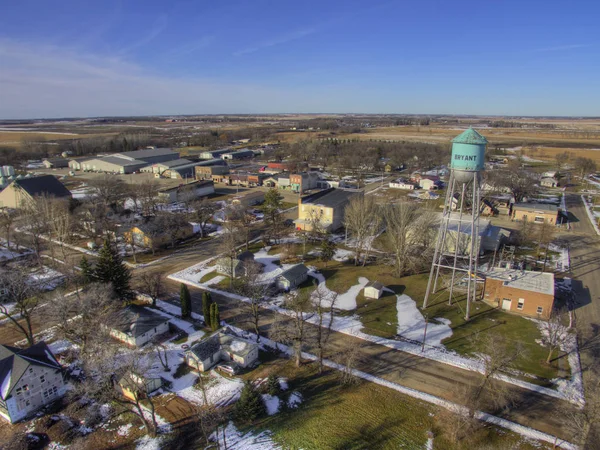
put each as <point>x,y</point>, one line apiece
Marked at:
<point>411,323</point>
<point>236,440</point>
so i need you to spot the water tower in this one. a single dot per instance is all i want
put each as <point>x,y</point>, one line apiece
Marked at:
<point>457,246</point>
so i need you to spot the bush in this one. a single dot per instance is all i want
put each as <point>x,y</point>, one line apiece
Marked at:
<point>273,387</point>
<point>182,369</point>
<point>250,405</point>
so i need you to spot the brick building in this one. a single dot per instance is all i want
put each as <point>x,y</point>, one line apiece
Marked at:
<point>521,291</point>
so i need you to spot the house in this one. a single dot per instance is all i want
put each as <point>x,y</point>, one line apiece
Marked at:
<point>256,179</point>
<point>137,325</point>
<point>24,190</point>
<point>214,154</point>
<point>206,172</point>
<point>520,291</point>
<point>549,182</point>
<point>326,208</point>
<point>429,182</point>
<point>153,233</point>
<point>550,174</point>
<point>55,163</point>
<point>238,155</point>
<point>133,385</point>
<point>490,237</point>
<point>249,199</point>
<point>535,213</point>
<point>292,277</point>
<point>193,190</point>
<point>373,290</point>
<point>30,379</point>
<point>225,265</point>
<point>221,346</point>
<point>304,181</point>
<point>402,184</point>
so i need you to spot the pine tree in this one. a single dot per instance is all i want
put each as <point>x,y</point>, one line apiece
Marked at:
<point>111,269</point>
<point>250,405</point>
<point>328,248</point>
<point>273,387</point>
<point>87,272</point>
<point>206,301</point>
<point>215,319</point>
<point>186,301</point>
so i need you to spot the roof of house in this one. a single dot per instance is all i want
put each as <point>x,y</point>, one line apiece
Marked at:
<point>469,136</point>
<point>15,361</point>
<point>136,320</point>
<point>174,162</point>
<point>330,197</point>
<point>541,282</point>
<point>246,256</point>
<point>294,272</point>
<point>116,160</point>
<point>375,284</point>
<point>235,345</point>
<point>536,207</point>
<point>43,185</point>
<point>206,348</point>
<point>147,153</point>
<point>548,180</point>
<point>56,160</point>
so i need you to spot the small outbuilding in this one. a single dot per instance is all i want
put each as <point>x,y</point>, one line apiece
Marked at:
<point>374,290</point>
<point>292,277</point>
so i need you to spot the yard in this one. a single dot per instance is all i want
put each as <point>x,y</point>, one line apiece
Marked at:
<point>364,415</point>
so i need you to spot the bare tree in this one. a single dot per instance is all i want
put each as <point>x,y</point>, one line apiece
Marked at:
<point>20,302</point>
<point>585,166</point>
<point>251,285</point>
<point>108,190</point>
<point>347,360</point>
<point>294,331</point>
<point>210,419</point>
<point>544,234</point>
<point>582,420</point>
<point>61,222</point>
<point>7,220</point>
<point>324,303</point>
<point>561,159</point>
<point>148,196</point>
<point>236,214</point>
<point>202,212</point>
<point>33,221</point>
<point>362,219</point>
<point>517,180</point>
<point>151,284</point>
<point>80,317</point>
<point>171,224</point>
<point>554,333</point>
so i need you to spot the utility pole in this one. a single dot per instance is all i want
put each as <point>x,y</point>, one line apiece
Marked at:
<point>424,333</point>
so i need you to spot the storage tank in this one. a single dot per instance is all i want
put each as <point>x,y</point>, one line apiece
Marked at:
<point>7,171</point>
<point>468,155</point>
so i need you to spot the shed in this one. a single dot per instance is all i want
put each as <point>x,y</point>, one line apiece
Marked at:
<point>292,277</point>
<point>373,290</point>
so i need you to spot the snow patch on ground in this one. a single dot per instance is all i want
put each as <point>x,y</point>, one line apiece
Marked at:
<point>590,214</point>
<point>345,301</point>
<point>294,400</point>
<point>272,403</point>
<point>236,440</point>
<point>411,323</point>
<point>123,430</point>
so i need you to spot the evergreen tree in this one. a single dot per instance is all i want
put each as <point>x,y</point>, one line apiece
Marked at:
<point>186,301</point>
<point>328,248</point>
<point>87,272</point>
<point>111,269</point>
<point>273,387</point>
<point>250,405</point>
<point>215,318</point>
<point>206,301</point>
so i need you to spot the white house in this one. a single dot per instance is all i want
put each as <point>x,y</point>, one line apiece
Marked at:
<point>402,184</point>
<point>136,325</point>
<point>30,379</point>
<point>426,183</point>
<point>221,346</point>
<point>549,182</point>
<point>373,290</point>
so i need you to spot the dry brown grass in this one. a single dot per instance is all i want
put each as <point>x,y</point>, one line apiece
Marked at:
<point>16,138</point>
<point>549,153</point>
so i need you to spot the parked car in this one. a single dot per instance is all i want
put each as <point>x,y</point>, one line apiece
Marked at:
<point>230,368</point>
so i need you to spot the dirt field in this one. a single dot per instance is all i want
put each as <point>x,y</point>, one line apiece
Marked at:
<point>16,138</point>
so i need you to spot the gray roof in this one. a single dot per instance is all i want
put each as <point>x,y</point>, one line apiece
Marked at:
<point>121,161</point>
<point>137,320</point>
<point>15,361</point>
<point>330,197</point>
<point>206,348</point>
<point>294,272</point>
<point>239,152</point>
<point>375,284</point>
<point>235,345</point>
<point>536,207</point>
<point>174,162</point>
<point>246,256</point>
<point>541,282</point>
<point>43,185</point>
<point>147,153</point>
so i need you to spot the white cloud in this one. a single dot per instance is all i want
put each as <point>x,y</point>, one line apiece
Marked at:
<point>47,81</point>
<point>276,41</point>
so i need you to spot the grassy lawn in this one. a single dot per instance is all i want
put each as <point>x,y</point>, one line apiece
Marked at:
<point>209,276</point>
<point>379,317</point>
<point>361,416</point>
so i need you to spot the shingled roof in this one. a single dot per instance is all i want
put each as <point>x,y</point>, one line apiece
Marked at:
<point>15,361</point>
<point>137,320</point>
<point>43,185</point>
<point>206,348</point>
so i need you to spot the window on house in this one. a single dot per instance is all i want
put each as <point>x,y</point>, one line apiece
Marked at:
<point>521,303</point>
<point>42,378</point>
<point>19,390</point>
<point>25,387</point>
<point>538,219</point>
<point>540,310</point>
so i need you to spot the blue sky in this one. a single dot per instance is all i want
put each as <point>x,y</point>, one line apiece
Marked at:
<point>75,58</point>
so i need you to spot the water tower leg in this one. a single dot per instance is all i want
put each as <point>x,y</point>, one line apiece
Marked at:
<point>457,242</point>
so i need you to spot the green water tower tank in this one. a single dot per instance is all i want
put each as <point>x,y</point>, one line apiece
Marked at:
<point>468,155</point>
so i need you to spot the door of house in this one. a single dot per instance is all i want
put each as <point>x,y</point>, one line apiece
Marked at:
<point>506,304</point>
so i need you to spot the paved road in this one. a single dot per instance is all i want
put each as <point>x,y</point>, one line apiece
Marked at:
<point>532,409</point>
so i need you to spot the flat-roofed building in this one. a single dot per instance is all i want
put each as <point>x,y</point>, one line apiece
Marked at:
<point>535,213</point>
<point>520,291</point>
<point>204,172</point>
<point>325,208</point>
<point>150,155</point>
